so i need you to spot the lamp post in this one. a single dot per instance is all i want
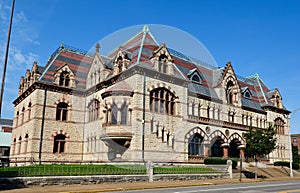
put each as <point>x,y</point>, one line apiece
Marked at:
<point>290,142</point>
<point>6,55</point>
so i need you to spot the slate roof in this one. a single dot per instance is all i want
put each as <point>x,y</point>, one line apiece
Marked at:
<point>140,49</point>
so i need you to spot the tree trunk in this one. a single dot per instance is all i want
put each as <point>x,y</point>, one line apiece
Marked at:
<point>255,159</point>
<point>256,169</point>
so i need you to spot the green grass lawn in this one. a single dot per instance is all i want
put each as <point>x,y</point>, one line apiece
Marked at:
<point>94,169</point>
<point>72,170</point>
<point>183,170</point>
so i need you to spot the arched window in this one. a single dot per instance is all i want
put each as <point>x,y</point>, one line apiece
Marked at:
<point>279,126</point>
<point>59,143</point>
<point>22,115</point>
<point>64,79</point>
<point>162,101</point>
<point>26,143</point>
<point>124,112</point>
<point>162,63</point>
<point>216,149</point>
<point>13,146</point>
<point>196,145</point>
<point>120,63</point>
<point>114,114</point>
<point>94,109</point>
<point>17,118</point>
<point>61,111</point>
<point>208,111</point>
<point>229,94</point>
<point>20,144</point>
<point>29,111</point>
<point>193,108</point>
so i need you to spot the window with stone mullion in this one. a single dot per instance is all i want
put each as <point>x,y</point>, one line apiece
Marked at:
<point>162,101</point>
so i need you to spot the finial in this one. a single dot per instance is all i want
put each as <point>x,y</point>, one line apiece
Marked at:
<point>62,45</point>
<point>97,46</point>
<point>145,28</point>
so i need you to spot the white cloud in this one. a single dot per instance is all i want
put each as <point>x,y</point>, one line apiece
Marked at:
<point>33,41</point>
<point>20,17</point>
<point>2,14</point>
<point>18,58</point>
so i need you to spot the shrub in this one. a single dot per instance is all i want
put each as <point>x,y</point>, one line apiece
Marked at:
<point>287,164</point>
<point>220,161</point>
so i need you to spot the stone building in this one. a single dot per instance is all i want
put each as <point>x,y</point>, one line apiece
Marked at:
<point>91,107</point>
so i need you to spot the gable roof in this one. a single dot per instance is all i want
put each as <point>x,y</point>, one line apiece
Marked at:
<point>140,49</point>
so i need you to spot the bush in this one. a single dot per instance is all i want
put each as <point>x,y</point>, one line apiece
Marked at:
<point>295,166</point>
<point>220,161</point>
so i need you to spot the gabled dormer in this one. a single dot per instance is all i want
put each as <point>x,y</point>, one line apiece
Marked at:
<point>64,77</point>
<point>276,98</point>
<point>98,71</point>
<point>228,87</point>
<point>195,76</point>
<point>246,93</point>
<point>121,61</point>
<point>162,60</point>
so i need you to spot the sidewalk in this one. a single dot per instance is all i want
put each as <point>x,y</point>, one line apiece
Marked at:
<point>93,188</point>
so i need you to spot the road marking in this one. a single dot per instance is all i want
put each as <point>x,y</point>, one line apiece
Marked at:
<point>234,188</point>
<point>287,191</point>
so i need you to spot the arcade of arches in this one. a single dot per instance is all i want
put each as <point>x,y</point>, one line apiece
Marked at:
<point>201,145</point>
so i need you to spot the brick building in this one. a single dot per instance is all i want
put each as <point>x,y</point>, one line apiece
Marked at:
<point>5,141</point>
<point>295,139</point>
<point>90,107</point>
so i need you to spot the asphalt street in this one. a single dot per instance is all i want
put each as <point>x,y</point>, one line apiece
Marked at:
<point>258,187</point>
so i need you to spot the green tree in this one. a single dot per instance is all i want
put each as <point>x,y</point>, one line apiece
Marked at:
<point>259,143</point>
<point>296,156</point>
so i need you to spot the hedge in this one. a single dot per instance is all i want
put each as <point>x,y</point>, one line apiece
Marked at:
<point>220,161</point>
<point>287,164</point>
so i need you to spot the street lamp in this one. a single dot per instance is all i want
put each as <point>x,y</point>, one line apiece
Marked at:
<point>290,143</point>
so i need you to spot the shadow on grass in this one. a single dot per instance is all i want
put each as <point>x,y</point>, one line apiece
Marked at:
<point>249,174</point>
<point>9,183</point>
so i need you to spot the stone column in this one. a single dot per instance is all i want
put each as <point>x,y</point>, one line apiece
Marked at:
<point>225,149</point>
<point>206,149</point>
<point>241,148</point>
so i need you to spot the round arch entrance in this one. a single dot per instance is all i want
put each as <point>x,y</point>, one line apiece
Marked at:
<point>216,147</point>
<point>234,150</point>
<point>196,146</point>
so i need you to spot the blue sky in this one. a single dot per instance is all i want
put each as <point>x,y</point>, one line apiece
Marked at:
<point>257,36</point>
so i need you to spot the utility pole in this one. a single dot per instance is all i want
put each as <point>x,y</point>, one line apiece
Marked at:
<point>6,55</point>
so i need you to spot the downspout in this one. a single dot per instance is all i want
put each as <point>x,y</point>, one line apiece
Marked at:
<point>42,126</point>
<point>83,136</point>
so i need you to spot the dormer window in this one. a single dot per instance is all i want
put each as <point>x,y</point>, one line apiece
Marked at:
<point>276,99</point>
<point>196,78</point>
<point>162,60</point>
<point>64,79</point>
<point>247,93</point>
<point>121,61</point>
